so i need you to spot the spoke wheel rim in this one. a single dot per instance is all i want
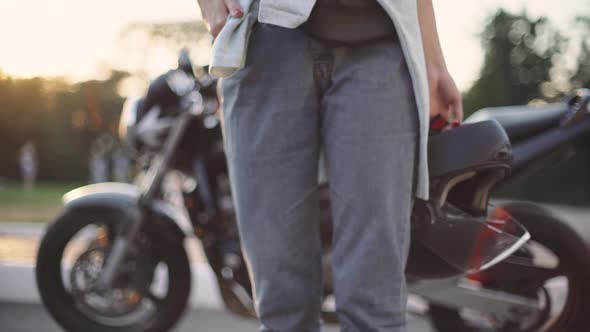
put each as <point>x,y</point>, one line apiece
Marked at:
<point>146,304</point>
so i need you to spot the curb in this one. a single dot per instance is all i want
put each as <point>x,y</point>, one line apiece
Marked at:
<point>26,229</point>
<point>19,284</point>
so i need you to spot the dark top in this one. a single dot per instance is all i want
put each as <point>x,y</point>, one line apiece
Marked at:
<point>349,21</point>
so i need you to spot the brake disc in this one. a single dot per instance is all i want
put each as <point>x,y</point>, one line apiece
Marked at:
<point>127,292</point>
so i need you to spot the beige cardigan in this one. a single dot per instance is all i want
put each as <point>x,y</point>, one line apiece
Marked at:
<point>229,51</point>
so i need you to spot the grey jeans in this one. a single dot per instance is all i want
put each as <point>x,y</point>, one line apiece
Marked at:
<point>295,96</point>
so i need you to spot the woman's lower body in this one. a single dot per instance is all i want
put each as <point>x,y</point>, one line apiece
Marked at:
<point>295,97</point>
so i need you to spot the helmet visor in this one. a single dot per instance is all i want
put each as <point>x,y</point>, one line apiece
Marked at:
<point>472,244</point>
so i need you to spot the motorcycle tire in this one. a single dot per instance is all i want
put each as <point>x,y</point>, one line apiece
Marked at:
<point>546,230</point>
<point>61,304</point>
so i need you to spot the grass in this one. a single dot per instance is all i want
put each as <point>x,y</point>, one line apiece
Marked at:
<point>41,204</point>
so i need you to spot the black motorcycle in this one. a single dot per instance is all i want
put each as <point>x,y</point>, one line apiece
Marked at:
<point>128,269</point>
<point>551,271</point>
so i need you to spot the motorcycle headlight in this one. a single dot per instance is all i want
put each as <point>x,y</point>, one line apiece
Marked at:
<point>128,121</point>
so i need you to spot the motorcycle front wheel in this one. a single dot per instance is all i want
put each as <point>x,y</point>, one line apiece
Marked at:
<point>557,276</point>
<point>149,295</point>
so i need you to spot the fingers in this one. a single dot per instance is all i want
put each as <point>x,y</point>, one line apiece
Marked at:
<point>437,108</point>
<point>215,13</point>
<point>234,8</point>
<point>218,22</point>
<point>215,27</point>
<point>457,106</point>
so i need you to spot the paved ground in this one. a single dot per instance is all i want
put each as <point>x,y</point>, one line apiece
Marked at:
<point>34,318</point>
<point>18,317</point>
<point>20,311</point>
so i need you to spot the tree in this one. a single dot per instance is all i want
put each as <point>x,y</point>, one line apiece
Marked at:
<point>22,102</point>
<point>581,76</point>
<point>519,57</point>
<point>61,119</point>
<point>145,45</point>
<point>175,34</point>
<point>83,112</point>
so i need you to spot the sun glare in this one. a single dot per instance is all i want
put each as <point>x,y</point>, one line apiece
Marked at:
<point>78,39</point>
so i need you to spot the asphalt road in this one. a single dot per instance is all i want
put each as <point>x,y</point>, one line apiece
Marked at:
<point>18,245</point>
<point>33,318</point>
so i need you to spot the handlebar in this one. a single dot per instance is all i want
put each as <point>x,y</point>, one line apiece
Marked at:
<point>579,107</point>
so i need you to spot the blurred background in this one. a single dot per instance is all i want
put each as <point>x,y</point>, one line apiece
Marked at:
<point>66,67</point>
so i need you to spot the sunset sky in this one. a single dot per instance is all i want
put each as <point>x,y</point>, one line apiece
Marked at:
<point>78,38</point>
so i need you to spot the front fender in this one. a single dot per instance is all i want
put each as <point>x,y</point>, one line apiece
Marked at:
<point>123,199</point>
<point>109,195</point>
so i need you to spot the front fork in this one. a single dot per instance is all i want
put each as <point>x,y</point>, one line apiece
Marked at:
<point>228,261</point>
<point>204,188</point>
<point>122,246</point>
<point>123,243</point>
<point>150,186</point>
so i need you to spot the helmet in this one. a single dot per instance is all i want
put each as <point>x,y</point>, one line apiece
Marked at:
<point>454,232</point>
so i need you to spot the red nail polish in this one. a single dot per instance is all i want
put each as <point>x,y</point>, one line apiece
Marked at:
<point>237,13</point>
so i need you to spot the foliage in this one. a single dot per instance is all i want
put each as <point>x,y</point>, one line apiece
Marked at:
<point>174,34</point>
<point>145,49</point>
<point>560,179</point>
<point>61,119</point>
<point>581,77</point>
<point>519,57</point>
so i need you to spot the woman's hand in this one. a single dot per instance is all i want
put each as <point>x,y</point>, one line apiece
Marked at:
<point>215,13</point>
<point>445,98</point>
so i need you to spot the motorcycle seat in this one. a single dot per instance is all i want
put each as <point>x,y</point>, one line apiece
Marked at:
<point>470,147</point>
<point>522,122</point>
